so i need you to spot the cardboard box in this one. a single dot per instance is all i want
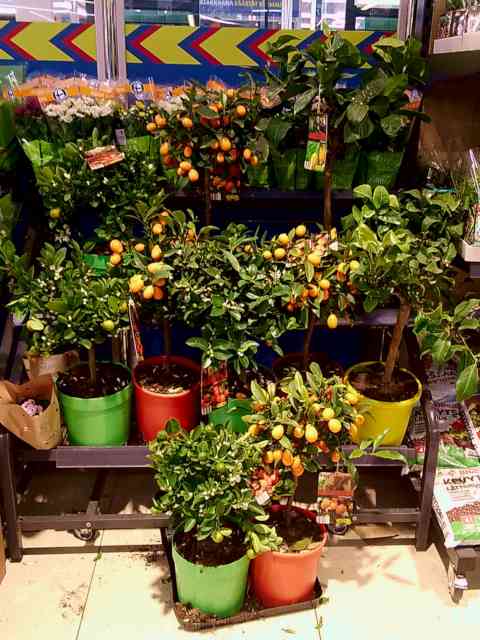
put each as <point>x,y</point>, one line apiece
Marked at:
<point>3,567</point>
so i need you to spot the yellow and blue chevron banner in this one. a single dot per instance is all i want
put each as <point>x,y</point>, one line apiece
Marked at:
<point>166,53</point>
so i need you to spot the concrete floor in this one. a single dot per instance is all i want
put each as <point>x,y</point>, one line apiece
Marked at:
<point>374,592</point>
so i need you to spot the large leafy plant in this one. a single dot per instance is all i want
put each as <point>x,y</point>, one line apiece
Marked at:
<point>405,246</point>
<point>204,481</point>
<point>447,334</point>
<point>376,114</point>
<point>62,302</point>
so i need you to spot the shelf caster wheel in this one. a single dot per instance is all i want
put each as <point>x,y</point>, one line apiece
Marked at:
<point>457,584</point>
<point>85,535</point>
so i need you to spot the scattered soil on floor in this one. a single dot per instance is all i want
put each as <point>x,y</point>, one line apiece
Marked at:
<point>208,552</point>
<point>110,379</point>
<point>369,381</point>
<point>295,527</point>
<point>166,378</point>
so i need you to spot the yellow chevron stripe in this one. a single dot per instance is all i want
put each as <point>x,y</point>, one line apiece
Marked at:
<point>36,40</point>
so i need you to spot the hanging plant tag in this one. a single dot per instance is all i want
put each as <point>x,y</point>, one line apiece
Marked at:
<point>214,388</point>
<point>335,498</point>
<point>316,155</point>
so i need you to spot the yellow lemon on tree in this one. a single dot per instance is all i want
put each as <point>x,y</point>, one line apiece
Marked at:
<point>314,258</point>
<point>55,213</point>
<point>123,307</point>
<point>268,457</point>
<point>311,434</point>
<point>160,121</point>
<point>193,175</point>
<point>115,259</point>
<point>283,239</point>
<point>287,458</point>
<point>241,111</point>
<point>156,252</point>
<point>342,267</point>
<point>360,420</point>
<point>225,144</point>
<point>148,292</point>
<point>154,267</point>
<point>254,161</point>
<point>108,325</point>
<point>277,455</point>
<point>187,122</point>
<point>298,470</point>
<point>185,166</point>
<point>300,231</point>
<point>136,284</point>
<point>247,154</point>
<point>267,255</point>
<point>354,265</point>
<point>353,431</point>
<point>151,126</point>
<point>328,413</point>
<point>333,234</point>
<point>157,228</point>
<point>332,321</point>
<point>324,284</point>
<point>164,149</point>
<point>334,425</point>
<point>316,407</point>
<point>116,246</point>
<point>298,431</point>
<point>140,247</point>
<point>352,398</point>
<point>277,432</point>
<point>253,430</point>
<point>279,253</point>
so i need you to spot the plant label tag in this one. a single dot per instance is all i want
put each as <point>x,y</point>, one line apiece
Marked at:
<point>102,157</point>
<point>262,498</point>
<point>214,388</point>
<point>316,155</point>
<point>120,137</point>
<point>136,337</point>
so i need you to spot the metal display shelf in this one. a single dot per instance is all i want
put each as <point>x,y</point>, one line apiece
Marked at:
<point>456,56</point>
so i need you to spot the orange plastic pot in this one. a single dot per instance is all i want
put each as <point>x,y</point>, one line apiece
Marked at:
<point>154,410</point>
<point>278,579</point>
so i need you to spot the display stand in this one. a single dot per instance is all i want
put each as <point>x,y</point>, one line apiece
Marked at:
<point>14,453</point>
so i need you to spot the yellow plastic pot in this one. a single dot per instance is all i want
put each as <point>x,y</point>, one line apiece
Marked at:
<point>381,415</point>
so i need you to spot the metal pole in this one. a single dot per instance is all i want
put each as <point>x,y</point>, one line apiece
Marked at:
<point>110,39</point>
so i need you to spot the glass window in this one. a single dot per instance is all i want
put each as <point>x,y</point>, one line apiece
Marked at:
<point>47,10</point>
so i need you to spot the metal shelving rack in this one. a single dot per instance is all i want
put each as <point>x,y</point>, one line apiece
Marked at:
<point>14,454</point>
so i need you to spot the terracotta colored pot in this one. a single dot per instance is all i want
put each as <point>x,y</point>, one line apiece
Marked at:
<point>279,579</point>
<point>154,410</point>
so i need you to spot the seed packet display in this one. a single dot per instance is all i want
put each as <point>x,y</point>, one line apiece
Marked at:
<point>316,155</point>
<point>214,388</point>
<point>456,503</point>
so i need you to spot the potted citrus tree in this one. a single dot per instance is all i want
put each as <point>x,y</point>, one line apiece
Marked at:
<point>404,246</point>
<point>166,386</point>
<point>65,305</point>
<point>203,477</point>
<point>294,421</point>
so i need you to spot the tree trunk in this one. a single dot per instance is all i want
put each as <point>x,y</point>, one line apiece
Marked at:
<point>116,350</point>
<point>327,194</point>
<point>392,356</point>
<point>92,366</point>
<point>308,339</point>
<point>208,200</point>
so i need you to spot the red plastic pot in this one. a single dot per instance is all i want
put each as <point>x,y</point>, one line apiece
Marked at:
<point>154,410</point>
<point>279,578</point>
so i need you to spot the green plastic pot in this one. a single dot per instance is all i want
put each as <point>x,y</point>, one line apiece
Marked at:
<point>219,591</point>
<point>98,422</point>
<point>231,415</point>
<point>98,263</point>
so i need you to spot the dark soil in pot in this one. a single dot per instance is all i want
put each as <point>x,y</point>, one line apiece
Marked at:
<point>240,387</point>
<point>166,378</point>
<point>294,526</point>
<point>369,381</point>
<point>210,553</point>
<point>283,365</point>
<point>111,378</point>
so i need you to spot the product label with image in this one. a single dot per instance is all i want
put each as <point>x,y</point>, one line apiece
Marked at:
<point>214,388</point>
<point>316,155</point>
